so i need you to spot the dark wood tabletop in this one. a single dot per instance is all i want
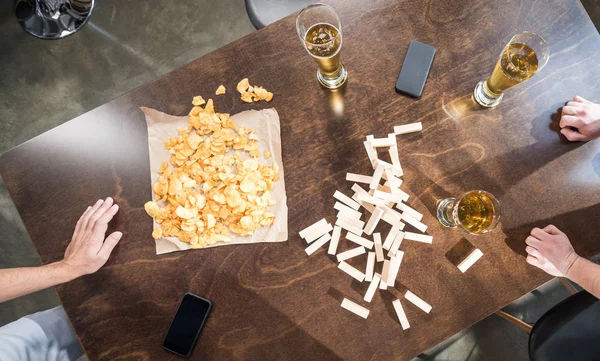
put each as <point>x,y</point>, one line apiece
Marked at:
<point>271,301</point>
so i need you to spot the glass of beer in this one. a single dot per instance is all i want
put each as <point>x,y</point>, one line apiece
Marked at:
<point>477,212</point>
<point>320,31</point>
<point>524,55</point>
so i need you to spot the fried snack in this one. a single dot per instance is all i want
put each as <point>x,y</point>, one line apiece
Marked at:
<point>198,101</point>
<point>214,184</point>
<point>251,93</point>
<point>220,90</point>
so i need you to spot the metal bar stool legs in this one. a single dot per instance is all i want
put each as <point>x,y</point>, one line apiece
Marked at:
<point>53,19</point>
<point>515,321</point>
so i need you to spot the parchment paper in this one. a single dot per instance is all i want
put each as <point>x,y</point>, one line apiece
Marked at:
<point>163,126</point>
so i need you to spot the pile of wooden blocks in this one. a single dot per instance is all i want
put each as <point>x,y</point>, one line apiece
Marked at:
<point>379,200</point>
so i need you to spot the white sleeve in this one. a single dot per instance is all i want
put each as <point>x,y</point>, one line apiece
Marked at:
<point>43,336</point>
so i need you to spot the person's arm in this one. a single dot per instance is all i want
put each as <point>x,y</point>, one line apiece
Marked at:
<point>86,253</point>
<point>550,250</point>
<point>18,282</point>
<point>586,274</point>
<point>580,120</point>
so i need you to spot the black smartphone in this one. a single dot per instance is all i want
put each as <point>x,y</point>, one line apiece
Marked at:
<point>186,325</point>
<point>415,69</point>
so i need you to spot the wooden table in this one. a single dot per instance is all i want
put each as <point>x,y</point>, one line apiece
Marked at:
<point>271,301</point>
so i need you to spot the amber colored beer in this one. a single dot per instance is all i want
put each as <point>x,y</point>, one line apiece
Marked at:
<point>324,41</point>
<point>517,64</point>
<point>476,212</point>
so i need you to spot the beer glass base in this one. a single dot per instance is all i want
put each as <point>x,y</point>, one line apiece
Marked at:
<point>333,83</point>
<point>442,213</point>
<point>484,98</point>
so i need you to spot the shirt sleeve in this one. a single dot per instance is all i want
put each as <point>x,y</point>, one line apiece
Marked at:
<point>43,336</point>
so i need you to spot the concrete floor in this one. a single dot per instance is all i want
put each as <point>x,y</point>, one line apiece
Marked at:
<point>45,83</point>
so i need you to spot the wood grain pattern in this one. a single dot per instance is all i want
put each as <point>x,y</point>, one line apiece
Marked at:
<point>271,302</point>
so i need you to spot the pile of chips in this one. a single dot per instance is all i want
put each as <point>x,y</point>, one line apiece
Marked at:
<point>215,183</point>
<point>252,93</point>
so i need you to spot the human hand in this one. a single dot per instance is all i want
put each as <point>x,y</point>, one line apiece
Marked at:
<point>550,250</point>
<point>584,116</point>
<point>88,250</point>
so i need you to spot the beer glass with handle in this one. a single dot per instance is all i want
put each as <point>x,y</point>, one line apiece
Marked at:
<point>320,31</point>
<point>524,55</point>
<point>477,212</point>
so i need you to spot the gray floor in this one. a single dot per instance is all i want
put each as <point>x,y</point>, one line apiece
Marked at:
<point>45,83</point>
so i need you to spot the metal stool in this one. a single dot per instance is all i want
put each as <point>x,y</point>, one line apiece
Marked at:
<point>265,12</point>
<point>53,19</point>
<point>568,331</point>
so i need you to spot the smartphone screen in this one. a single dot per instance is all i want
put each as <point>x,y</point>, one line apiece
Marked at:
<point>415,69</point>
<point>187,324</point>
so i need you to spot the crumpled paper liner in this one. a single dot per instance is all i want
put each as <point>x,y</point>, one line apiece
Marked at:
<point>162,127</point>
